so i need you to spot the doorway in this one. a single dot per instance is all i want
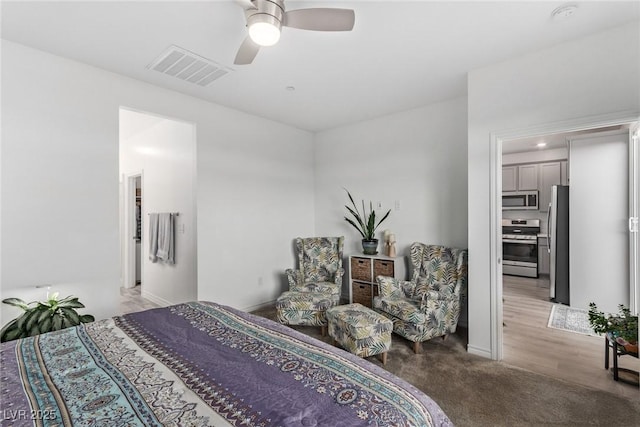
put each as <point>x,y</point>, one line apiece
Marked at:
<point>521,306</point>
<point>132,231</point>
<point>158,173</point>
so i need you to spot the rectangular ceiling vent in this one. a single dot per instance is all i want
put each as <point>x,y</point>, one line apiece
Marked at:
<point>180,63</point>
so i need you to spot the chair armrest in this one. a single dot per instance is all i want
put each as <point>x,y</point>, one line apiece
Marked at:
<point>436,297</point>
<point>338,276</point>
<point>393,288</point>
<point>294,277</point>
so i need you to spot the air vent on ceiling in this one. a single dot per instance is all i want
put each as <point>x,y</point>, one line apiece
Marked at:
<point>187,66</point>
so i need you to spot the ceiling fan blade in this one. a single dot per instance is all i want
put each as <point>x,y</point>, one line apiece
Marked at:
<point>248,50</point>
<point>320,19</point>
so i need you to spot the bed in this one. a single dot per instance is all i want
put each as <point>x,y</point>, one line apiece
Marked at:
<point>199,364</point>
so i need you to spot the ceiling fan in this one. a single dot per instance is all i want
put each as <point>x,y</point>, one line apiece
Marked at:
<point>265,18</point>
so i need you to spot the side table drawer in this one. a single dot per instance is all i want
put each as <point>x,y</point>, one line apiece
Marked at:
<point>361,269</point>
<point>362,293</point>
<point>382,267</point>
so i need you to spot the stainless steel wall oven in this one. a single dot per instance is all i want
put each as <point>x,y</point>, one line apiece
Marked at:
<point>520,247</point>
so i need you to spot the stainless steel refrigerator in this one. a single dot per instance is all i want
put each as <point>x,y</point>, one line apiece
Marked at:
<point>558,235</point>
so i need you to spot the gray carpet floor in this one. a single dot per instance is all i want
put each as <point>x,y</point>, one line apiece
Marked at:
<point>474,391</point>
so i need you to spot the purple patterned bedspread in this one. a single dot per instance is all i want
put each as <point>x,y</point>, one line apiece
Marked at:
<point>199,364</point>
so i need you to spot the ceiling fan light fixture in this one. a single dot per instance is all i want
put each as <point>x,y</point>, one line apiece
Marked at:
<point>264,29</point>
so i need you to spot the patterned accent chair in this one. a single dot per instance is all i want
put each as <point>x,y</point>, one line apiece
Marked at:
<point>428,305</point>
<point>316,285</point>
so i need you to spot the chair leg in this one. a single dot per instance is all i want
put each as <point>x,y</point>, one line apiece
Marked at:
<point>383,356</point>
<point>444,337</point>
<point>323,330</point>
<point>416,347</point>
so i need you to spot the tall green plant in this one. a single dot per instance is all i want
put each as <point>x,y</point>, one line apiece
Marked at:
<point>365,224</point>
<point>43,316</point>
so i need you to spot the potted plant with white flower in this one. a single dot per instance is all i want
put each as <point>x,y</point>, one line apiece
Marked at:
<point>43,316</point>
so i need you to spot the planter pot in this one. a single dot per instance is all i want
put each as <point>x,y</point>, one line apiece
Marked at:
<point>370,246</point>
<point>628,347</point>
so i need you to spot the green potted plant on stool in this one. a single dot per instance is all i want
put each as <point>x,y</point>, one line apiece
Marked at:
<point>365,224</point>
<point>623,327</point>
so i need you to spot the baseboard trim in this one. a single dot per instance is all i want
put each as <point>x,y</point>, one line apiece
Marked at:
<point>479,351</point>
<point>259,306</point>
<point>155,299</point>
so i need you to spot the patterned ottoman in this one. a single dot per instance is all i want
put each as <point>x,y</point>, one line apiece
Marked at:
<point>361,331</point>
<point>305,308</point>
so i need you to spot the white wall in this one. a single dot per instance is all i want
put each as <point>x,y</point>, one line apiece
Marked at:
<point>591,76</point>
<point>59,181</point>
<point>60,185</point>
<point>165,151</point>
<point>417,157</point>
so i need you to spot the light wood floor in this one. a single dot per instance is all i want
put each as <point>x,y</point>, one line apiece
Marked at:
<point>131,301</point>
<point>530,344</point>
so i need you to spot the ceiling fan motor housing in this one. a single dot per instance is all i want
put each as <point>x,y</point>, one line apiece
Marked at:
<point>267,11</point>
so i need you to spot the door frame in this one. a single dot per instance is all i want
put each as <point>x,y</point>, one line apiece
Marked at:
<point>128,231</point>
<point>495,229</point>
<point>634,256</point>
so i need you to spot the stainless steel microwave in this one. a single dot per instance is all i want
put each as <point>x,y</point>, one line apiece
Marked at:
<point>518,200</point>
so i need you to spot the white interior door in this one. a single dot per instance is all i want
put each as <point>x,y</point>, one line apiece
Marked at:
<point>598,220</point>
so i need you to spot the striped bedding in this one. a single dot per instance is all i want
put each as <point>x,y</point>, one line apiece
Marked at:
<point>199,364</point>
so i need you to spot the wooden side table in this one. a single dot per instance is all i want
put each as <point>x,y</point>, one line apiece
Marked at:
<point>619,374</point>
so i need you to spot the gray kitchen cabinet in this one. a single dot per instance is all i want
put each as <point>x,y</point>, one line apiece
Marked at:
<point>509,178</point>
<point>543,255</point>
<point>527,177</point>
<point>520,177</point>
<point>550,175</point>
<point>564,173</point>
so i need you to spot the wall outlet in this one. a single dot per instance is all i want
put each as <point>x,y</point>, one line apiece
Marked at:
<point>397,205</point>
<point>379,205</point>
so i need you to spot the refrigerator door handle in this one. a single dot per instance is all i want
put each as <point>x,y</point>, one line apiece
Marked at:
<point>633,224</point>
<point>549,229</point>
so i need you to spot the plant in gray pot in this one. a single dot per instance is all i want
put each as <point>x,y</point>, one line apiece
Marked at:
<point>365,224</point>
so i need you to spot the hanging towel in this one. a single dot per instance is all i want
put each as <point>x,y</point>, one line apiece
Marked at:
<point>165,238</point>
<point>153,237</point>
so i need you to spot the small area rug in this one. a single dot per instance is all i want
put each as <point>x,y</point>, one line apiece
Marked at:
<point>570,319</point>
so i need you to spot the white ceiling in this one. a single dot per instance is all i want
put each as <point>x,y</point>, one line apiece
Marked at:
<point>400,55</point>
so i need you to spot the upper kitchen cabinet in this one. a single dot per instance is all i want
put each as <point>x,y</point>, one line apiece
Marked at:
<point>527,177</point>
<point>550,175</point>
<point>520,178</point>
<point>509,178</point>
<point>564,173</point>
